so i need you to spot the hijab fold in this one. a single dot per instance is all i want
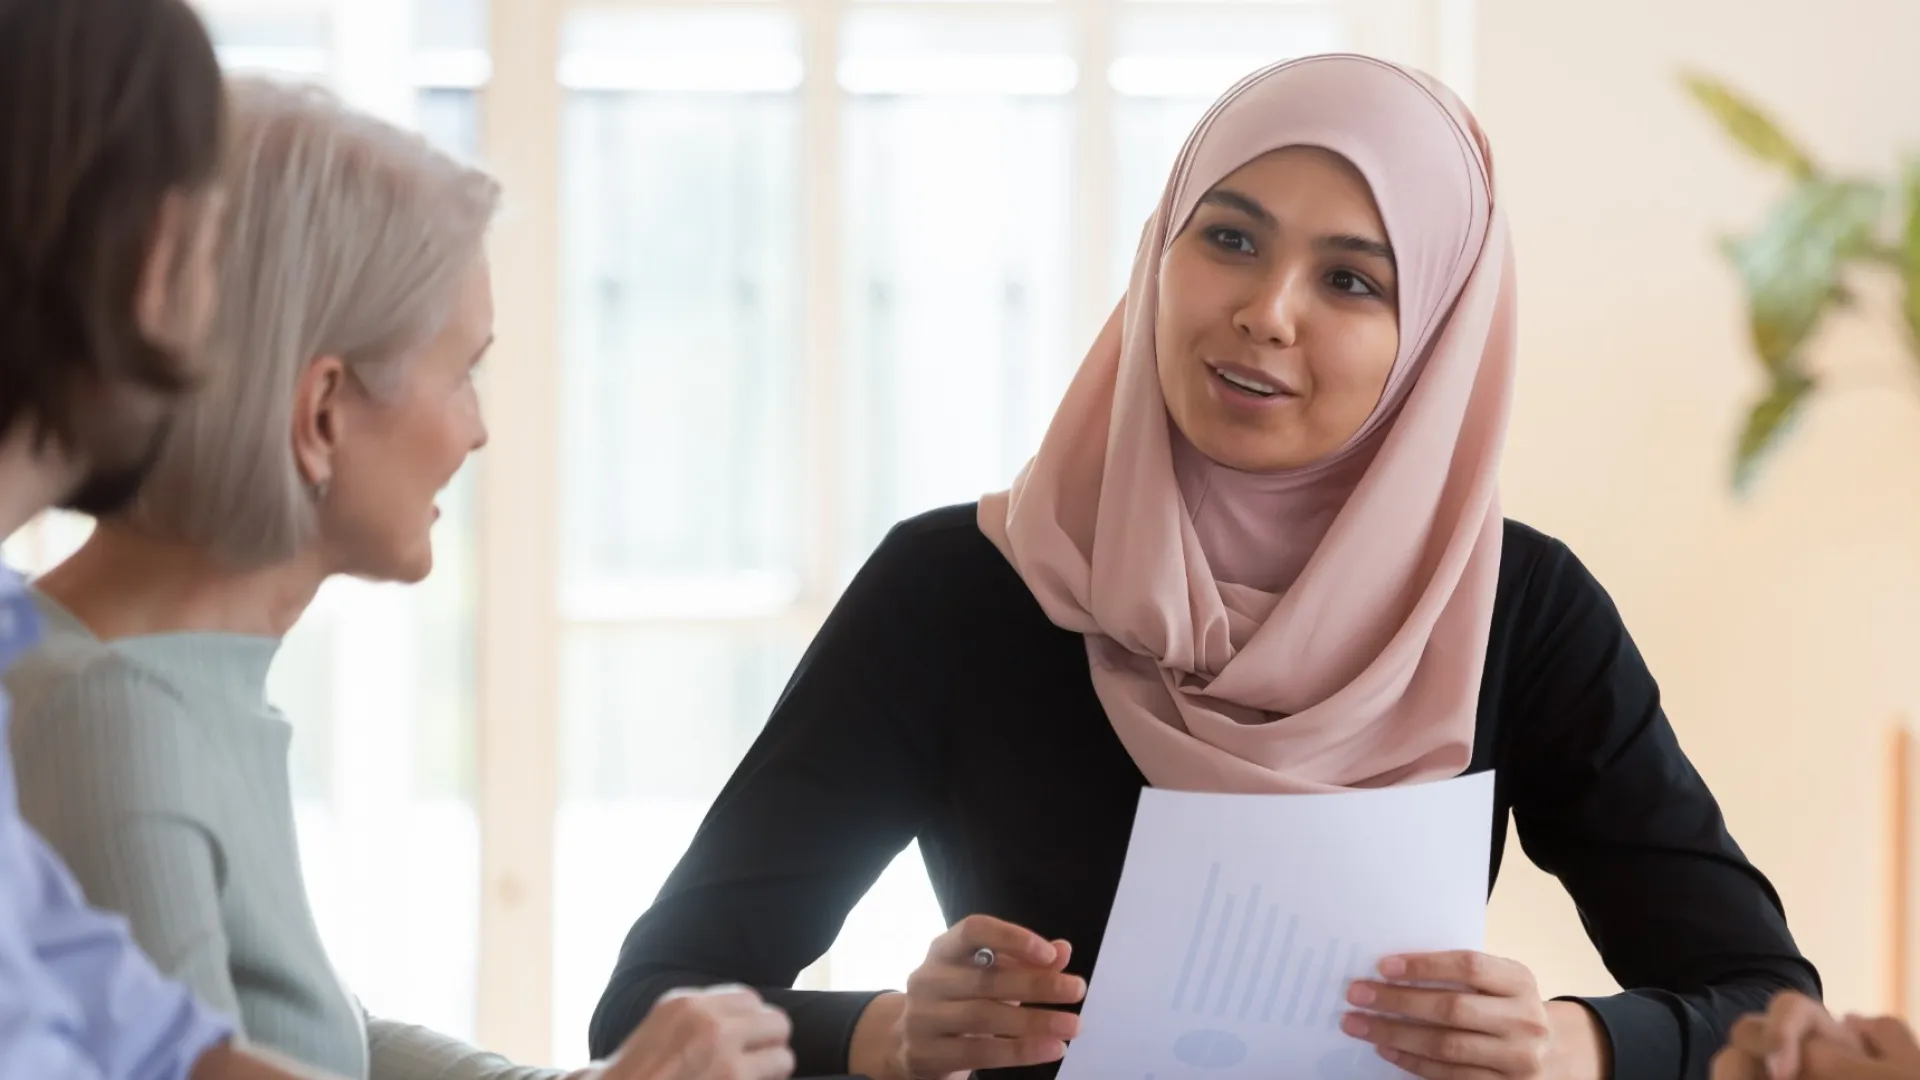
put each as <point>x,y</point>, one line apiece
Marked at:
<point>1322,628</point>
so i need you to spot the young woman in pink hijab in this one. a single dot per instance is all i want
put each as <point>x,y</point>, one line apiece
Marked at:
<point>1260,549</point>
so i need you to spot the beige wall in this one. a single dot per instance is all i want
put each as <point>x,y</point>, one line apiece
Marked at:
<point>1786,631</point>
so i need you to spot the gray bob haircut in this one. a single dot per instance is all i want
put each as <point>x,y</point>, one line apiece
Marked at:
<point>342,235</point>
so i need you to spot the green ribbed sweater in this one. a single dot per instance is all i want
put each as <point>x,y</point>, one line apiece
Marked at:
<point>157,769</point>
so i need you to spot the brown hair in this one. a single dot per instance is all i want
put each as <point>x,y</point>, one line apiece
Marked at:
<point>106,108</point>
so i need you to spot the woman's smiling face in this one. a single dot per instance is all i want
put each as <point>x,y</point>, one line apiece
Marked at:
<point>1278,322</point>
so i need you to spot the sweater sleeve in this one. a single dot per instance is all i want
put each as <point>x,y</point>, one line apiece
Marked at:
<point>410,1052</point>
<point>1606,800</point>
<point>111,777</point>
<point>835,786</point>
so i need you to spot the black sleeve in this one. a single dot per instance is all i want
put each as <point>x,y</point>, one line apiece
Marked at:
<point>834,788</point>
<point>1606,801</point>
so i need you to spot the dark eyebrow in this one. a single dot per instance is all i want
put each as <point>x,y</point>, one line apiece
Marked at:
<point>482,351</point>
<point>1359,245</point>
<point>1233,200</point>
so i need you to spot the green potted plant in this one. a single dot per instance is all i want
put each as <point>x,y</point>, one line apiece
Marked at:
<point>1796,265</point>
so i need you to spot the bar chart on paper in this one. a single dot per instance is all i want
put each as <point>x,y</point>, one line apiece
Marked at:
<point>1250,963</point>
<point>1221,965</point>
<point>1282,981</point>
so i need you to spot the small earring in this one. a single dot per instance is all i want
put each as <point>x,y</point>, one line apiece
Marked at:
<point>320,491</point>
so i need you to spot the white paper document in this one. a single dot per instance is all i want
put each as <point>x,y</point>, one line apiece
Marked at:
<point>1241,920</point>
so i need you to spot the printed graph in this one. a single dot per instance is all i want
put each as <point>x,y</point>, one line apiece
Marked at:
<point>1251,966</point>
<point>1252,963</point>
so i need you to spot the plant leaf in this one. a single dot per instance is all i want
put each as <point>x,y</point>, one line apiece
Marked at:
<point>1791,267</point>
<point>1750,127</point>
<point>1769,420</point>
<point>1910,253</point>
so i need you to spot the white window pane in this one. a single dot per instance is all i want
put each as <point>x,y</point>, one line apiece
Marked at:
<point>938,51</point>
<point>451,118</point>
<point>652,724</point>
<point>1173,52</point>
<point>446,618</point>
<point>886,936</point>
<point>442,46</point>
<point>450,24</point>
<point>664,714</point>
<point>268,22</point>
<point>958,294</point>
<point>1147,136</point>
<point>715,50</point>
<point>681,383</point>
<point>291,39</point>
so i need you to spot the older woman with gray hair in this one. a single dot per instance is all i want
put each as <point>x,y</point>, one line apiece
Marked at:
<point>354,304</point>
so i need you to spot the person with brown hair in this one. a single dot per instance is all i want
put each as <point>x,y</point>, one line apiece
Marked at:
<point>111,122</point>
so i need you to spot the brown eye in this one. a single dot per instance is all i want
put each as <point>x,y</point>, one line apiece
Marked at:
<point>1351,283</point>
<point>1232,240</point>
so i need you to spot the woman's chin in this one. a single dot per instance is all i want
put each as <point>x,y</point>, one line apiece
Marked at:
<point>415,570</point>
<point>1252,452</point>
<point>408,567</point>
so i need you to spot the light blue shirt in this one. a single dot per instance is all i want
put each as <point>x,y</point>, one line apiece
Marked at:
<point>77,998</point>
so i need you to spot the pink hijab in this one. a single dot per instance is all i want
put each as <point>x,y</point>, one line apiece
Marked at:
<point>1322,628</point>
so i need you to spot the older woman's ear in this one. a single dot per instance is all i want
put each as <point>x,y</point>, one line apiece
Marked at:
<point>315,432</point>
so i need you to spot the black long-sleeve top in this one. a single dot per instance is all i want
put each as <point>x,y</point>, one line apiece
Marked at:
<point>938,702</point>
